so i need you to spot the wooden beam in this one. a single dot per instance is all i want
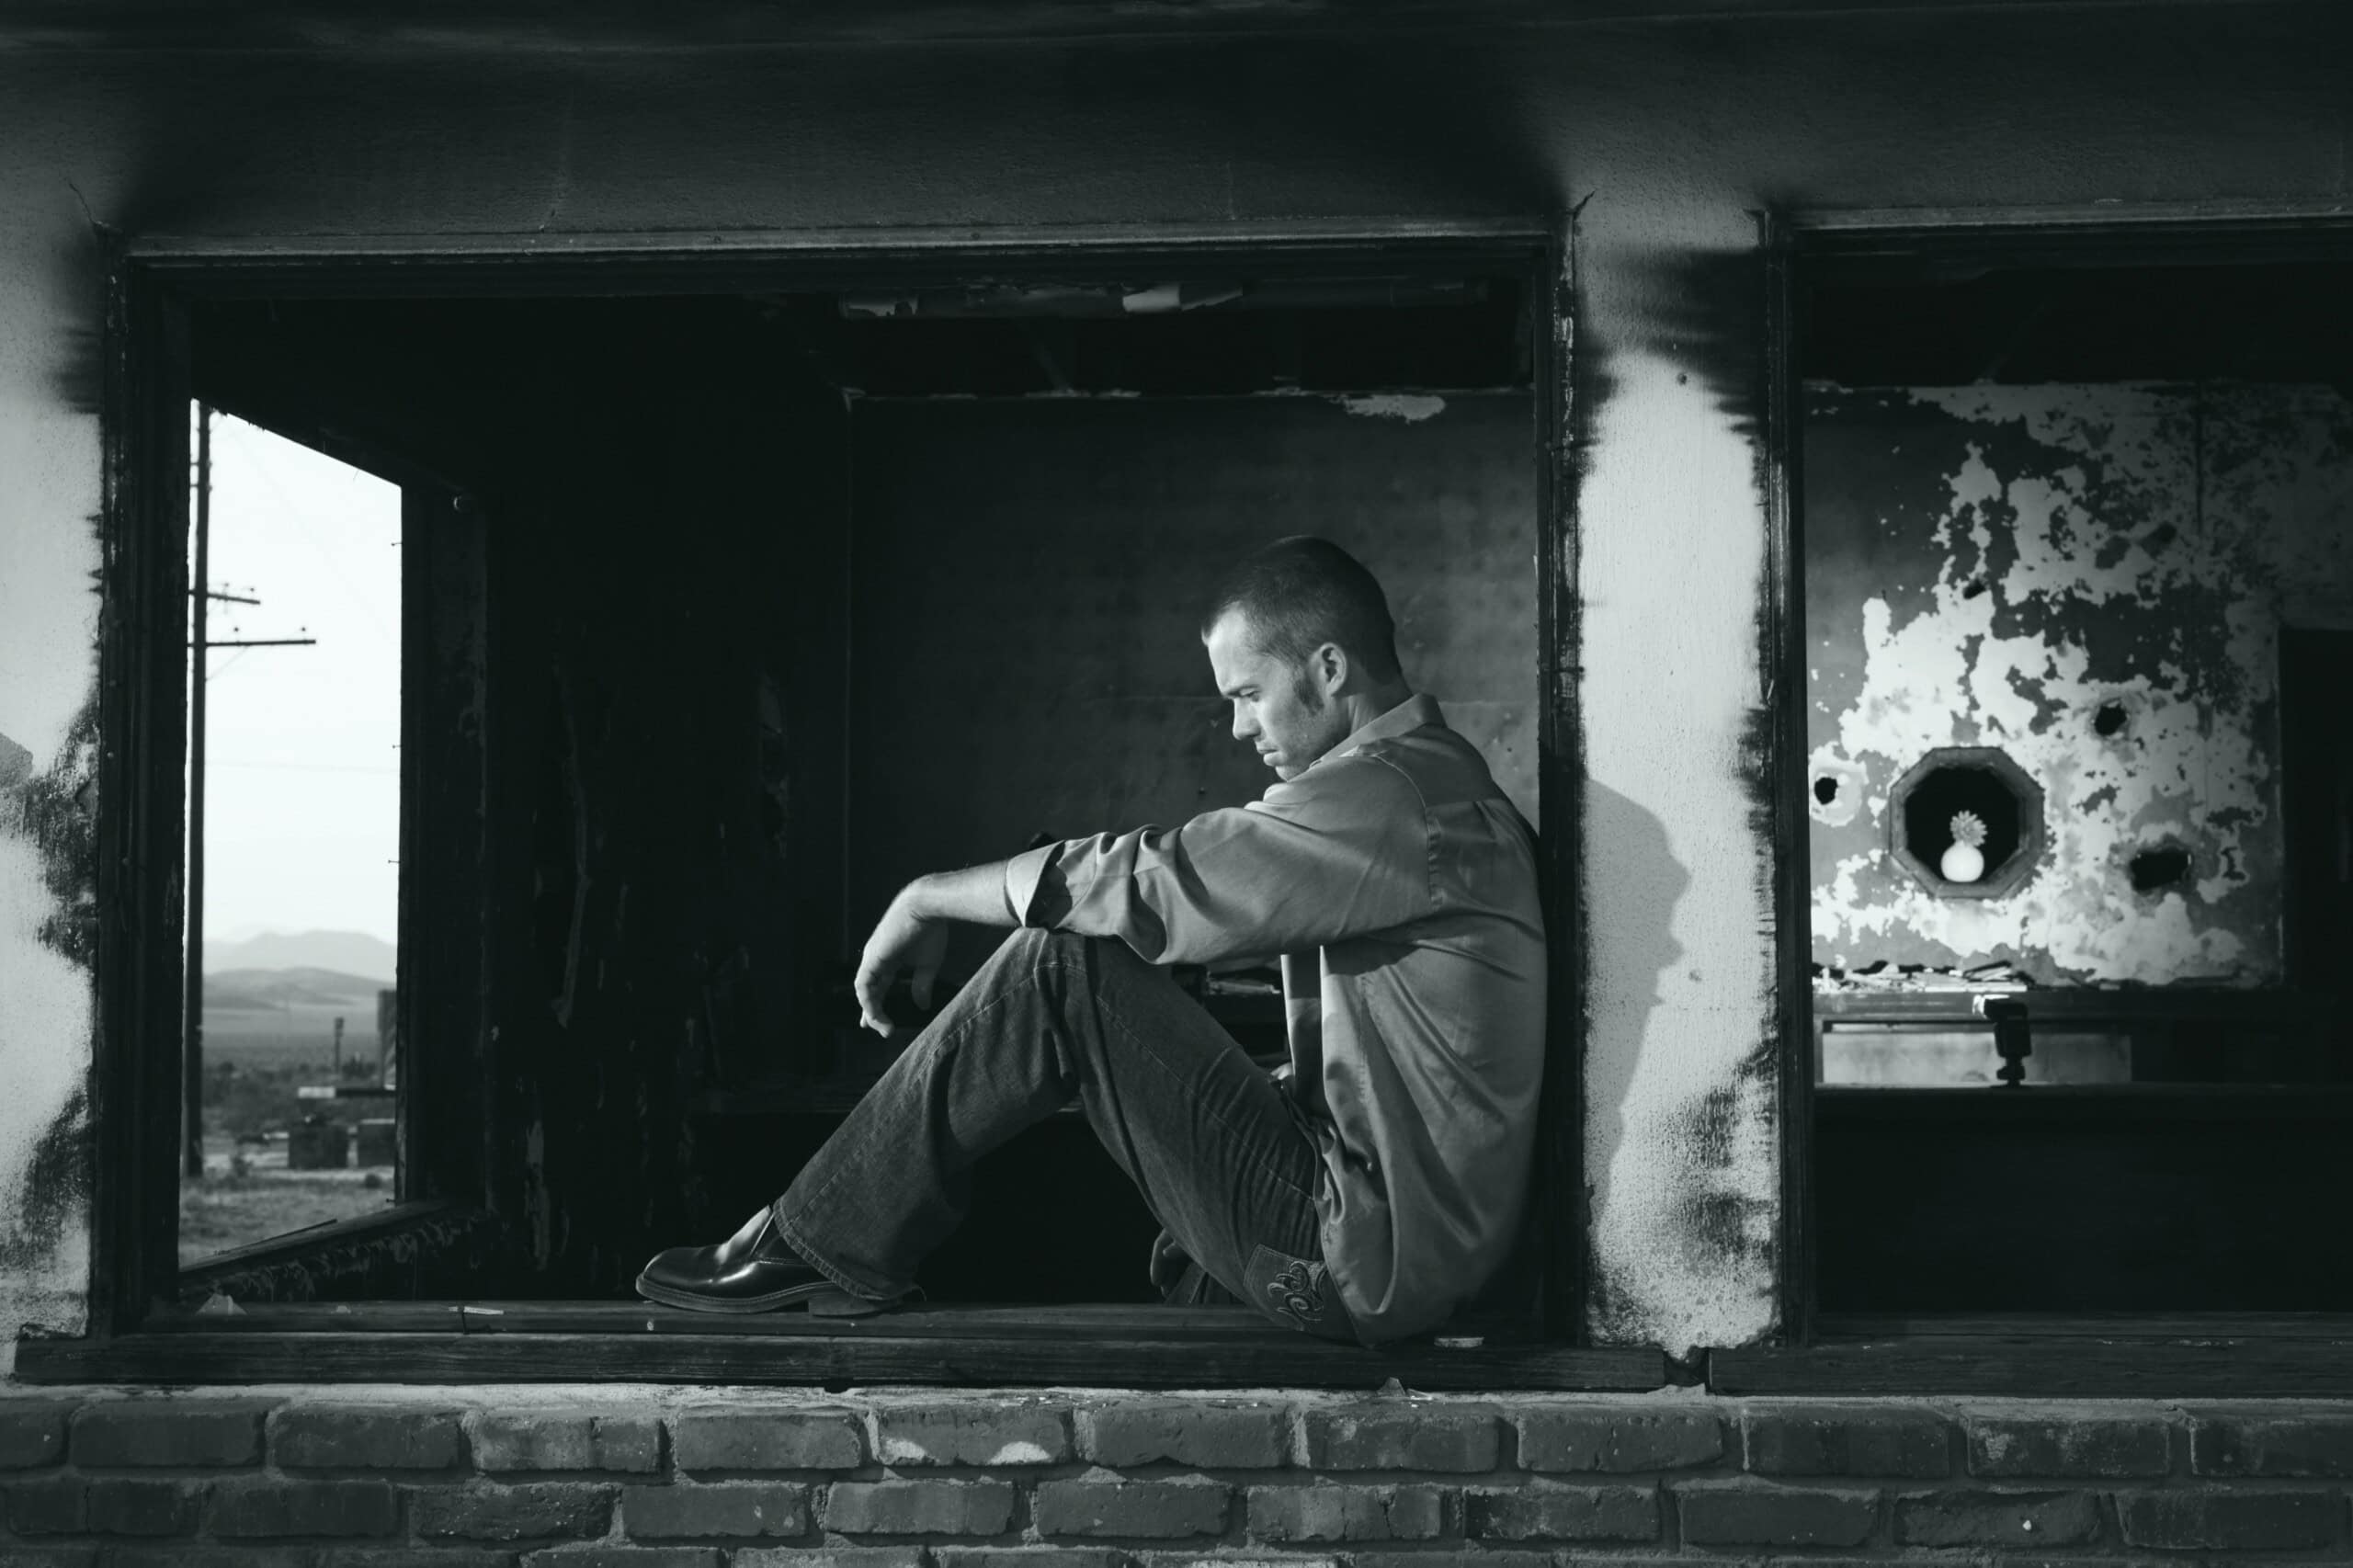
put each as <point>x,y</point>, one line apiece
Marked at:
<point>398,1219</point>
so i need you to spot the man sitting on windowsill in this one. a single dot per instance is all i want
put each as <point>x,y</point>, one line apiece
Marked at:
<point>1364,1197</point>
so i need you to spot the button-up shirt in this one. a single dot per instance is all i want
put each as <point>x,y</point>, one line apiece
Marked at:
<point>1397,884</point>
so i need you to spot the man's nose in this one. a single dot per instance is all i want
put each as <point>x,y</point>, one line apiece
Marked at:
<point>1244,726</point>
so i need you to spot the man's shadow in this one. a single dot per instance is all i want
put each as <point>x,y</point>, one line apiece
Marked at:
<point>1630,886</point>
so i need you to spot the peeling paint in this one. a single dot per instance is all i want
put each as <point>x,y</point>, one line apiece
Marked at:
<point>1410,407</point>
<point>2092,579</point>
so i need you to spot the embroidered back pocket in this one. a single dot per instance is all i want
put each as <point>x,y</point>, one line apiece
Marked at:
<point>1295,1291</point>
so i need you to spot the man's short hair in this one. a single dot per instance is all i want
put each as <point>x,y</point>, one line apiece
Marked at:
<point>1299,593</point>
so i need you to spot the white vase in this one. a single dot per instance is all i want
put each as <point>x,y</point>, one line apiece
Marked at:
<point>1963,863</point>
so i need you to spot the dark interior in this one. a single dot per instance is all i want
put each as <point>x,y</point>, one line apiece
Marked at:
<point>1953,319</point>
<point>778,599</point>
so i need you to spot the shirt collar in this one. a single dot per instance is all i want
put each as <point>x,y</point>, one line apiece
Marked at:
<point>1414,713</point>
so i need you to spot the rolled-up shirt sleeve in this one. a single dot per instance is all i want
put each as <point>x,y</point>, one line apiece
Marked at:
<point>1340,851</point>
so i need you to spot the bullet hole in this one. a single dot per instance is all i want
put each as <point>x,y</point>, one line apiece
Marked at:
<point>1836,792</point>
<point>2109,720</point>
<point>2153,868</point>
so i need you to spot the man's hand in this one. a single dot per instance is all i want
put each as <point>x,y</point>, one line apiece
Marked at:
<point>912,935</point>
<point>904,942</point>
<point>1168,1262</point>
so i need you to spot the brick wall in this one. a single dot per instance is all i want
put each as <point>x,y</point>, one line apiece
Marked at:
<point>574,1477</point>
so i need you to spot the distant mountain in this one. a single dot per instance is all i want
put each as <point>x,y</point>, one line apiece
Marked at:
<point>267,990</point>
<point>343,952</point>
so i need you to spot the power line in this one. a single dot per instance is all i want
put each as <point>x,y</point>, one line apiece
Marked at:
<point>307,767</point>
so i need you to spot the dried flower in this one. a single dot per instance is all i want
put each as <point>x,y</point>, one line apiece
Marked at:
<point>1968,828</point>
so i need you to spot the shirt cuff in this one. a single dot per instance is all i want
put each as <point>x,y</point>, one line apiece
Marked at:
<point>1023,874</point>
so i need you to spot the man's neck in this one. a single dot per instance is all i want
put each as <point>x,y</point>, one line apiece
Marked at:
<point>1361,708</point>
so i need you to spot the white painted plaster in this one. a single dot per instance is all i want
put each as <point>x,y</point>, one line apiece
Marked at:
<point>48,498</point>
<point>1678,912</point>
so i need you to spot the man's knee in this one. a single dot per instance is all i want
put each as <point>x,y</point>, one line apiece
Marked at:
<point>1039,939</point>
<point>1029,951</point>
<point>1098,958</point>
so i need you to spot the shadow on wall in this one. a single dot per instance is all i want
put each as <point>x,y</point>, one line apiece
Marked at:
<point>1690,1131</point>
<point>1627,853</point>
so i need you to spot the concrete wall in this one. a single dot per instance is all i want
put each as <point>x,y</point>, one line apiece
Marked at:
<point>1667,136</point>
<point>2000,566</point>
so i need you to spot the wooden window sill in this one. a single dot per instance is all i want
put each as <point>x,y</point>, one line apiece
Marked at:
<point>2086,1356</point>
<point>1134,1347</point>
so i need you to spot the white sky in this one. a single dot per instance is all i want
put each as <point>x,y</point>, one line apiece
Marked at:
<point>303,770</point>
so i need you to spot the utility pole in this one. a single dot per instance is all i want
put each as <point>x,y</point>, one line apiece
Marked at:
<point>192,1049</point>
<point>200,646</point>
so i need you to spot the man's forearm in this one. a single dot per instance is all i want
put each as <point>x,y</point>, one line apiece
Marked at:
<point>975,895</point>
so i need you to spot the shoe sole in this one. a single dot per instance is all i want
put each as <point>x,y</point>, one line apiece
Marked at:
<point>823,1300</point>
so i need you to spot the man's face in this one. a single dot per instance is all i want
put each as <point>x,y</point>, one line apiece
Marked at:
<point>1277,707</point>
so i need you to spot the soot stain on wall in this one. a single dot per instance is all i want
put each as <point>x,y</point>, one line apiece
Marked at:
<point>1721,1136</point>
<point>54,811</point>
<point>2091,578</point>
<point>55,1197</point>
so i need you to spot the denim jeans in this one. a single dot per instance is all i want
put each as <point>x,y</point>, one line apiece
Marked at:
<point>1214,1144</point>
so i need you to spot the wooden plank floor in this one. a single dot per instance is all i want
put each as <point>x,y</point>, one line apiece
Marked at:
<point>1223,1324</point>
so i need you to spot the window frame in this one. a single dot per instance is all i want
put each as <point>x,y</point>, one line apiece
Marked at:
<point>139,975</point>
<point>2156,1352</point>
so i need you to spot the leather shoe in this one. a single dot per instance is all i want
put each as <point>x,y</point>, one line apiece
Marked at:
<point>751,1271</point>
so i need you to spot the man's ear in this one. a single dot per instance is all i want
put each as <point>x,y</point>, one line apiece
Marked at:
<point>1329,665</point>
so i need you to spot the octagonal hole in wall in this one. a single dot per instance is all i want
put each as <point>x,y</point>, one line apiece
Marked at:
<point>1941,795</point>
<point>1984,781</point>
